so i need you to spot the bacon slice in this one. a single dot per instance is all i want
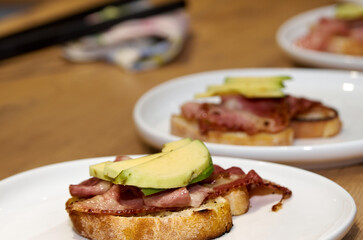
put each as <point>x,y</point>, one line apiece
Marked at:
<point>264,107</point>
<point>198,194</point>
<point>300,105</point>
<point>121,158</point>
<point>90,187</point>
<point>222,118</point>
<point>106,202</point>
<point>249,115</point>
<point>326,29</point>
<point>222,181</point>
<point>320,34</point>
<point>93,186</point>
<point>130,197</point>
<point>179,197</point>
<point>116,201</point>
<point>357,34</point>
<point>128,200</point>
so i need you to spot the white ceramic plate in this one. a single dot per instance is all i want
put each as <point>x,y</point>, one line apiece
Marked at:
<point>297,27</point>
<point>32,204</point>
<point>342,90</point>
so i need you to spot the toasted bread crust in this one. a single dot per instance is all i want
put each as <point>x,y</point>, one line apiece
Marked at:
<point>210,220</point>
<point>239,200</point>
<point>345,45</point>
<point>320,122</point>
<point>184,128</point>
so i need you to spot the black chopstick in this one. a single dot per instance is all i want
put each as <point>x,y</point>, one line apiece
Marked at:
<point>70,28</point>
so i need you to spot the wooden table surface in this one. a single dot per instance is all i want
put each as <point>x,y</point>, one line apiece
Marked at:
<point>53,111</point>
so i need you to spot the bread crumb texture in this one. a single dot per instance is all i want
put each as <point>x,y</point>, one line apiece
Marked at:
<point>209,221</point>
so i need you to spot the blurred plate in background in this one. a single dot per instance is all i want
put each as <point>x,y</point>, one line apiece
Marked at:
<point>342,90</point>
<point>299,26</point>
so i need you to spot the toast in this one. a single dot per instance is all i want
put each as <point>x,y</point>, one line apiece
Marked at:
<point>318,122</point>
<point>182,127</point>
<point>210,220</point>
<point>345,45</point>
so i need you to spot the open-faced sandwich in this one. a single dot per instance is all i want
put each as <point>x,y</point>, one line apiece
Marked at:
<point>175,194</point>
<point>254,111</point>
<point>341,34</point>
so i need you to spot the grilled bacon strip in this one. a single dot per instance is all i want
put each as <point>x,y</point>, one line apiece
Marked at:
<point>249,115</point>
<point>90,187</point>
<point>326,29</point>
<point>128,200</point>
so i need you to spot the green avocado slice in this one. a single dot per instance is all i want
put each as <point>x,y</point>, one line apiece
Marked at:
<point>349,11</point>
<point>270,80</point>
<point>250,87</point>
<point>204,175</point>
<point>171,146</point>
<point>183,162</point>
<point>96,170</point>
<point>267,93</point>
<point>174,169</point>
<point>112,170</point>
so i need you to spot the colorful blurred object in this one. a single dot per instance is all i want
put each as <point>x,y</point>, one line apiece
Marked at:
<point>136,44</point>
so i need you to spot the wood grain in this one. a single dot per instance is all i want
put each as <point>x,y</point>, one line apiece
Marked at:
<point>52,110</point>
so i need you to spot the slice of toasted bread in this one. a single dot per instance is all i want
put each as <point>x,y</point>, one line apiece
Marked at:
<point>320,121</point>
<point>208,221</point>
<point>184,128</point>
<point>239,200</point>
<point>345,45</point>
